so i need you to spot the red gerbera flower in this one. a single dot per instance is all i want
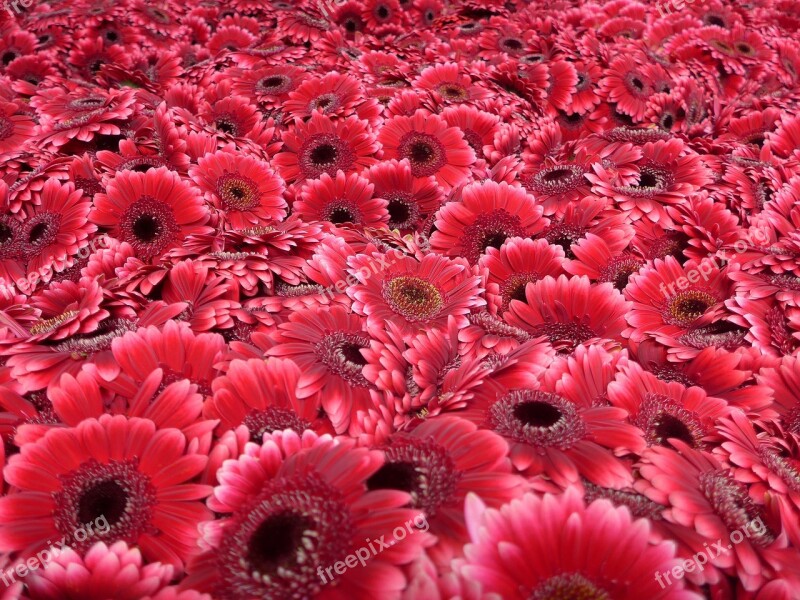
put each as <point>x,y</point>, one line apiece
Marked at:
<point>245,191</point>
<point>322,145</point>
<point>67,308</point>
<point>151,211</point>
<point>411,200</point>
<point>570,311</point>
<point>121,469</point>
<point>296,506</point>
<point>413,294</point>
<point>550,546</point>
<point>488,214</point>
<point>16,127</point>
<point>345,199</point>
<point>326,345</point>
<point>430,145</point>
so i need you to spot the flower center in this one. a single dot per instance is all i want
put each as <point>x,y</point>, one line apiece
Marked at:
<point>116,491</point>
<point>514,288</point>
<point>88,103</point>
<point>341,352</point>
<point>568,586</point>
<point>327,102</point>
<point>732,503</point>
<point>149,226</point>
<point>722,334</point>
<point>227,123</point>
<point>452,91</point>
<point>403,211</point>
<point>564,235</point>
<point>686,307</point>
<point>512,45</point>
<point>6,127</point>
<point>558,179</point>
<point>422,468</point>
<point>39,232</point>
<point>537,418</point>
<point>425,153</point>
<point>564,337</point>
<point>490,230</point>
<point>274,84</point>
<point>275,546</point>
<point>273,418</point>
<point>237,192</point>
<point>9,237</point>
<point>48,325</point>
<point>341,211</point>
<point>619,270</point>
<point>662,418</point>
<point>324,153</point>
<point>413,297</point>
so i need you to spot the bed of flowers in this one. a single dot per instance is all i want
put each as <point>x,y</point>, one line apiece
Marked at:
<point>282,280</point>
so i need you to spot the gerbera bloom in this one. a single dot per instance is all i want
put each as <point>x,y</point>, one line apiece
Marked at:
<point>343,199</point>
<point>67,308</point>
<point>232,117</point>
<point>269,85</point>
<point>56,227</point>
<point>451,86</point>
<point>671,301</point>
<point>518,262</point>
<point>570,311</point>
<point>479,127</point>
<point>262,396</point>
<point>335,95</point>
<point>121,469</point>
<point>244,190</point>
<point>323,145</point>
<point>16,127</point>
<point>326,344</point>
<point>294,506</point>
<point>488,214</point>
<point>80,114</point>
<point>665,410</point>
<point>107,571</point>
<point>438,464</point>
<point>430,145</point>
<point>522,551</point>
<point>410,200</point>
<point>151,211</point>
<point>602,261</point>
<point>703,496</point>
<point>667,173</point>
<point>413,294</point>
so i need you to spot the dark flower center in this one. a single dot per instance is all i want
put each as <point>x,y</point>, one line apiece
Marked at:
<point>413,297</point>
<point>425,153</point>
<point>149,226</point>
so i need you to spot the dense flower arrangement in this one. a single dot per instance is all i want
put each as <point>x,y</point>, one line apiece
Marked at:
<point>400,299</point>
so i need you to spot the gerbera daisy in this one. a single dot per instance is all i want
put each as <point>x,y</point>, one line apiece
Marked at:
<point>107,571</point>
<point>430,145</point>
<point>16,127</point>
<point>451,86</point>
<point>323,145</point>
<point>268,85</point>
<point>410,200</point>
<point>552,546</point>
<point>413,294</point>
<point>244,190</point>
<point>294,506</point>
<point>488,214</point>
<point>262,396</point>
<point>56,227</point>
<point>334,94</point>
<point>326,344</point>
<point>438,464</point>
<point>570,311</point>
<point>343,199</point>
<point>151,211</point>
<point>67,308</point>
<point>121,469</point>
<point>518,262</point>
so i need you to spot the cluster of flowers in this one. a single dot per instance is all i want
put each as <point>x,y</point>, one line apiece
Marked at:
<point>531,270</point>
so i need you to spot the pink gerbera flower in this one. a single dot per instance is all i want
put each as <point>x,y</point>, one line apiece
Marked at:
<point>570,311</point>
<point>411,200</point>
<point>326,345</point>
<point>151,211</point>
<point>244,190</point>
<point>413,294</point>
<point>262,396</point>
<point>488,214</point>
<point>16,127</point>
<point>322,145</point>
<point>121,469</point>
<point>293,507</point>
<point>430,146</point>
<point>67,308</point>
<point>341,199</point>
<point>552,546</point>
<point>107,571</point>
